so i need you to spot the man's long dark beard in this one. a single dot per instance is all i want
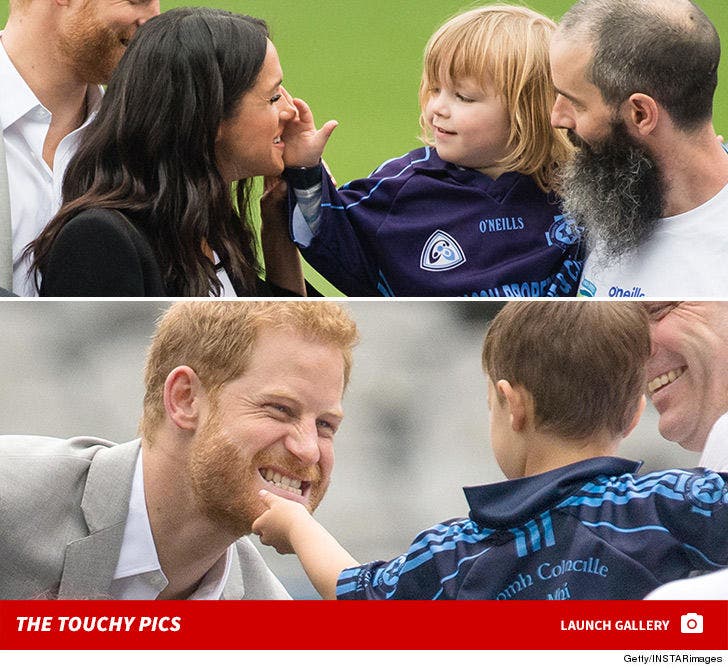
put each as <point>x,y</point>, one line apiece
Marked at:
<point>614,191</point>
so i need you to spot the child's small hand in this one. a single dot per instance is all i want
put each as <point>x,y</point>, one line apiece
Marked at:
<point>275,525</point>
<point>304,143</point>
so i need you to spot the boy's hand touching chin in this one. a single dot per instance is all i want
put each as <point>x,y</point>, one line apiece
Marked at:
<point>275,525</point>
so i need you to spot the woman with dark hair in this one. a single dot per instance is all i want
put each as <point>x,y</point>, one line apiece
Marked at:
<point>156,200</point>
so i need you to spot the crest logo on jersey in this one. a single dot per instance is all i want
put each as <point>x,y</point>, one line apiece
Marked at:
<point>563,232</point>
<point>441,252</point>
<point>704,491</point>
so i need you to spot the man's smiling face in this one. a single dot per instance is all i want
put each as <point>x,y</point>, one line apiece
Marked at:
<point>271,428</point>
<point>687,373</point>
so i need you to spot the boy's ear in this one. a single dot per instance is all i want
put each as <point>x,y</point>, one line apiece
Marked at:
<point>516,401</point>
<point>182,394</point>
<point>637,416</point>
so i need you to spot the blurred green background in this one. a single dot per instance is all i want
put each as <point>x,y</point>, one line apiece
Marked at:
<point>360,62</point>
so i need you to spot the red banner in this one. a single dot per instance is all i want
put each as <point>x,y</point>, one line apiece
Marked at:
<point>313,625</point>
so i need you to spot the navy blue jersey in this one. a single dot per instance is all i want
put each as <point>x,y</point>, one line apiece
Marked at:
<point>419,226</point>
<point>590,530</point>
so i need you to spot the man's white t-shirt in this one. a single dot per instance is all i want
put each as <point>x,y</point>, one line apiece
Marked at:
<point>686,257</point>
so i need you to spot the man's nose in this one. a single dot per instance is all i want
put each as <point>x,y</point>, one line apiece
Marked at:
<point>560,114</point>
<point>303,444</point>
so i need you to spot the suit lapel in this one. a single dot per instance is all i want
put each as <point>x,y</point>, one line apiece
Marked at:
<point>91,561</point>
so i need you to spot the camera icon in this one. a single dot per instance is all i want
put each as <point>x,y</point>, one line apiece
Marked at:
<point>691,623</point>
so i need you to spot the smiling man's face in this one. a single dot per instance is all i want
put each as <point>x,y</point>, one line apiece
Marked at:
<point>95,34</point>
<point>271,428</point>
<point>687,373</point>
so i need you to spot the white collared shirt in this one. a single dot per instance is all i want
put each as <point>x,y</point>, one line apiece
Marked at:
<point>35,189</point>
<point>138,575</point>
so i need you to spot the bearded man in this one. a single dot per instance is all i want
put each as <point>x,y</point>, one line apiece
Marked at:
<point>54,55</point>
<point>649,181</point>
<point>239,397</point>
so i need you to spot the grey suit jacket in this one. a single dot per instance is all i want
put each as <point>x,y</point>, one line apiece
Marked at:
<point>63,508</point>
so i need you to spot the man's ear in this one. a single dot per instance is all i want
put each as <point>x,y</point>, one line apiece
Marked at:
<point>183,391</point>
<point>641,114</point>
<point>637,416</point>
<point>516,401</point>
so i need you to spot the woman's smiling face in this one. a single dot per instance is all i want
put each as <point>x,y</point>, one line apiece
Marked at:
<point>249,143</point>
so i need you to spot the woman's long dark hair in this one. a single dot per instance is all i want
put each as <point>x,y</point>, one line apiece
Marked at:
<point>150,152</point>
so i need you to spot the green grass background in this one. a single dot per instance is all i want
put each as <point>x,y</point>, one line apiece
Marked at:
<point>360,63</point>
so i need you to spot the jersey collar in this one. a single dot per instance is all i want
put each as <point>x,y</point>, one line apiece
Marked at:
<point>509,503</point>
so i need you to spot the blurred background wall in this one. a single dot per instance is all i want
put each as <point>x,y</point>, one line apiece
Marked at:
<point>416,427</point>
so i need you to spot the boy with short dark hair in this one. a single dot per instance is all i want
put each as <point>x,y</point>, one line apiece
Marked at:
<point>566,382</point>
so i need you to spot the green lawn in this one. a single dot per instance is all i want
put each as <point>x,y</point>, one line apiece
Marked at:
<point>359,63</point>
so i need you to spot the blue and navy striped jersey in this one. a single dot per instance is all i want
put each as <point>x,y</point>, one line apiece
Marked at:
<point>590,530</point>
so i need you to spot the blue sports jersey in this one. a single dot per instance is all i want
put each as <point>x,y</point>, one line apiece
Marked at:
<point>590,530</point>
<point>419,226</point>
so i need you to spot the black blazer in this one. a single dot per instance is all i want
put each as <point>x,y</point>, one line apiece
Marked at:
<point>101,253</point>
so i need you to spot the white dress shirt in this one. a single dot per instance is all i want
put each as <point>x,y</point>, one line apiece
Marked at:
<point>138,575</point>
<point>35,189</point>
<point>715,453</point>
